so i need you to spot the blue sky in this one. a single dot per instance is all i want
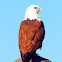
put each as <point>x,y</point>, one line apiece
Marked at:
<point>11,15</point>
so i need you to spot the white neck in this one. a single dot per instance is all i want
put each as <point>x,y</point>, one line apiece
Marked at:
<point>32,15</point>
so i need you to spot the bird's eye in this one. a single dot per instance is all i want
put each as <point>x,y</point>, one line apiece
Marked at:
<point>35,7</point>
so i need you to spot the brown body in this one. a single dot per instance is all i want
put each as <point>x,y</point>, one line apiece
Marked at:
<point>31,35</point>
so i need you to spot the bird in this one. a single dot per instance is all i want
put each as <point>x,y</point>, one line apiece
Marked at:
<point>31,33</point>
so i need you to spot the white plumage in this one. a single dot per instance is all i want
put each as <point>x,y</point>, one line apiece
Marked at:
<point>32,12</point>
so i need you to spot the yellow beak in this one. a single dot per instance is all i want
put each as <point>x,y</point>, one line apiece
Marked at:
<point>40,9</point>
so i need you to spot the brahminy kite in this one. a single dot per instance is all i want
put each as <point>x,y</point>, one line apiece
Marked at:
<point>31,33</point>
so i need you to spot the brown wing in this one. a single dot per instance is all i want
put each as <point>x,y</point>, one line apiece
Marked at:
<point>31,35</point>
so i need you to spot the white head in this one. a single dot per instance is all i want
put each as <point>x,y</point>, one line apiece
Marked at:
<point>32,12</point>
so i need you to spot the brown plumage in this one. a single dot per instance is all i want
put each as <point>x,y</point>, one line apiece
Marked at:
<point>31,35</point>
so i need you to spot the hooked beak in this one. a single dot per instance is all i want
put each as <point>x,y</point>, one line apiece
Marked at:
<point>40,9</point>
